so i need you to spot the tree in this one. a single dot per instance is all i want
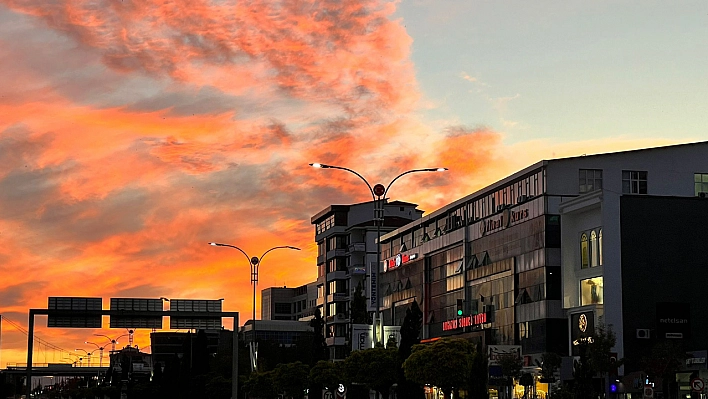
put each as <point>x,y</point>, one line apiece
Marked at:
<point>594,358</point>
<point>550,362</point>
<point>360,314</point>
<point>446,364</point>
<point>410,335</point>
<point>376,368</point>
<point>326,375</point>
<point>319,344</point>
<point>664,361</point>
<point>511,365</point>
<point>477,384</point>
<point>261,385</point>
<point>291,379</point>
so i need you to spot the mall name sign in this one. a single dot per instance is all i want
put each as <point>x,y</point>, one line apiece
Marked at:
<point>465,321</point>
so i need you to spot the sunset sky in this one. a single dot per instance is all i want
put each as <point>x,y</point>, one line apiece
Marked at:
<point>134,132</point>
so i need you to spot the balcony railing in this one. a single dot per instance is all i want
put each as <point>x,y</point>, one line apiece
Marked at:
<point>357,247</point>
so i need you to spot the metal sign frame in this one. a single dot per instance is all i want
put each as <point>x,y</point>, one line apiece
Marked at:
<point>137,314</point>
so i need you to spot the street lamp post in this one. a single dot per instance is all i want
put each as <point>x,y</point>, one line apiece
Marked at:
<point>378,194</point>
<point>255,262</point>
<point>113,341</point>
<point>88,355</point>
<point>100,352</point>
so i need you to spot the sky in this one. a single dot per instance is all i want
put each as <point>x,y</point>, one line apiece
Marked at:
<point>132,133</point>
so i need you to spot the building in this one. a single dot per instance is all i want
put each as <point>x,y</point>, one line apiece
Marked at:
<point>346,238</point>
<point>612,238</point>
<point>283,303</point>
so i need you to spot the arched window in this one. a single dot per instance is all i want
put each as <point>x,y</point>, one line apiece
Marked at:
<point>593,249</point>
<point>599,241</point>
<point>584,251</point>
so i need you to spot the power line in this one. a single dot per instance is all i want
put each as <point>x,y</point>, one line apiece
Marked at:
<point>39,340</point>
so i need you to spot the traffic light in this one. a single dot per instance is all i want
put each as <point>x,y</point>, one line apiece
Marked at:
<point>459,307</point>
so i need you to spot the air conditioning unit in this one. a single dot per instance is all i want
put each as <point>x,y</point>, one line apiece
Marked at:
<point>522,198</point>
<point>702,194</point>
<point>340,316</point>
<point>500,208</point>
<point>643,333</point>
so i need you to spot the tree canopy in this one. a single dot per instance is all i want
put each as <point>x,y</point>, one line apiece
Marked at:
<point>377,368</point>
<point>446,363</point>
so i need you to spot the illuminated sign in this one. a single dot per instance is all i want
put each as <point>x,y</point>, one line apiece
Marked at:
<point>583,323</point>
<point>507,217</point>
<point>398,261</point>
<point>465,321</point>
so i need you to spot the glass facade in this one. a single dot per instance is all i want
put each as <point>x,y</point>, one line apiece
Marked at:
<point>504,268</point>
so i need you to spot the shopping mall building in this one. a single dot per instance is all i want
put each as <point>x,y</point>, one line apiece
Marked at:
<point>615,238</point>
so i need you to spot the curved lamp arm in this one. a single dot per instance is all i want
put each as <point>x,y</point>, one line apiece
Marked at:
<point>216,244</point>
<point>412,171</point>
<point>278,247</point>
<point>323,166</point>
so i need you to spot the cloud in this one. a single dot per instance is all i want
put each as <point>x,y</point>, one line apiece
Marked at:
<point>133,133</point>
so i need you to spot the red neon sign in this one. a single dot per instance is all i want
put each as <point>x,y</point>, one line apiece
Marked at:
<point>465,321</point>
<point>398,260</point>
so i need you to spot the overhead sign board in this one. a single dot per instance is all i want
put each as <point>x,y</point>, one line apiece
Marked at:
<point>75,312</point>
<point>136,304</point>
<point>180,318</point>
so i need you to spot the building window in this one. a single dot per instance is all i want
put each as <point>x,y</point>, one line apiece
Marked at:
<point>590,180</point>
<point>634,182</point>
<point>594,253</point>
<point>591,248</point>
<point>584,251</point>
<point>599,241</point>
<point>701,184</point>
<point>283,308</point>
<point>591,291</point>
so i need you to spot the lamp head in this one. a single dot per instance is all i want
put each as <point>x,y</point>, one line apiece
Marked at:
<point>295,248</point>
<point>319,165</point>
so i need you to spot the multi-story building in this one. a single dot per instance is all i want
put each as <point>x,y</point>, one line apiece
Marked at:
<point>615,238</point>
<point>283,303</point>
<point>346,238</point>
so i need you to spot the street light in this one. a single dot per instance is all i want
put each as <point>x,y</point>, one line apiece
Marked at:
<point>88,355</point>
<point>100,353</point>
<point>378,194</point>
<point>255,262</point>
<point>112,340</point>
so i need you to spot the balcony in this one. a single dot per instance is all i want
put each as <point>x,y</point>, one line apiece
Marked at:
<point>320,259</point>
<point>336,252</point>
<point>338,275</point>
<point>337,297</point>
<point>339,318</point>
<point>357,247</point>
<point>320,301</point>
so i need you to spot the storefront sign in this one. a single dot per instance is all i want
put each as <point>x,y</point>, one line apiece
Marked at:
<point>465,321</point>
<point>505,220</point>
<point>582,329</point>
<point>373,288</point>
<point>398,261</point>
<point>673,320</point>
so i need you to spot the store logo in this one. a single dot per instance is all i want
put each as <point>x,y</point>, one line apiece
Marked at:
<point>505,220</point>
<point>398,261</point>
<point>582,323</point>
